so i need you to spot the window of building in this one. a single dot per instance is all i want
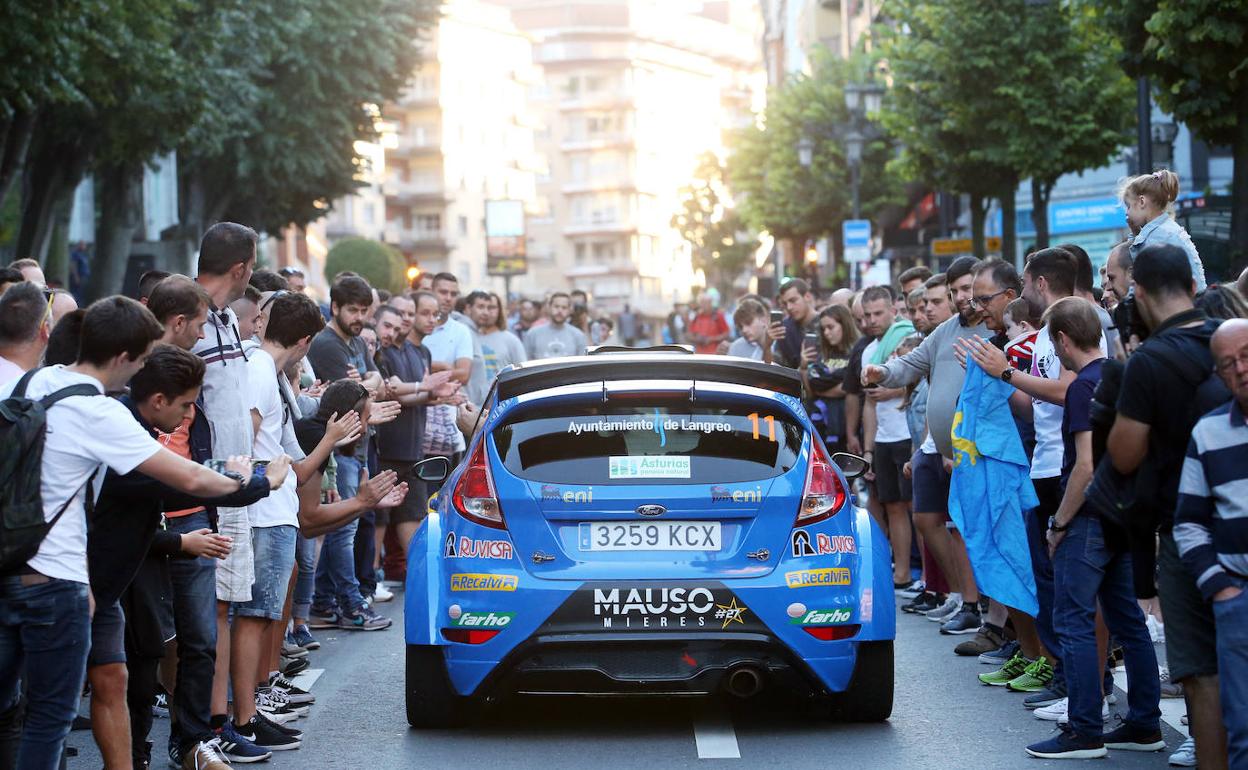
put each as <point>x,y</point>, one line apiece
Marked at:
<point>429,223</point>
<point>370,214</point>
<point>463,226</point>
<point>579,251</point>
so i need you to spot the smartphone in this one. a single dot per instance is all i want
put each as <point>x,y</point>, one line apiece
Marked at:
<point>258,467</point>
<point>811,340</point>
<point>777,316</point>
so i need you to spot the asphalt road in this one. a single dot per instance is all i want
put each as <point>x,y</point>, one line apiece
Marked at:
<point>943,718</point>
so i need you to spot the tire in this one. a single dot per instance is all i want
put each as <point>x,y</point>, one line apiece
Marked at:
<point>431,699</point>
<point>869,697</point>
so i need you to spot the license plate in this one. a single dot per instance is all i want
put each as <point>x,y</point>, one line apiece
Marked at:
<point>649,536</point>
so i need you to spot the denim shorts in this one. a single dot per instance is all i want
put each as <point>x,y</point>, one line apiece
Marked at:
<point>108,636</point>
<point>274,548</point>
<point>931,484</point>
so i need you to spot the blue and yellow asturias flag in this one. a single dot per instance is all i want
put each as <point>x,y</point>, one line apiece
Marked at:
<point>991,489</point>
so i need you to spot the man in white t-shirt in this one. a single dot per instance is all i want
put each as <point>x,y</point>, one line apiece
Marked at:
<point>44,604</point>
<point>450,347</point>
<point>886,432</point>
<point>25,323</point>
<point>294,321</point>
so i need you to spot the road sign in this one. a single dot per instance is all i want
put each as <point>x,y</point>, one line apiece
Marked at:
<point>948,247</point>
<point>856,234</point>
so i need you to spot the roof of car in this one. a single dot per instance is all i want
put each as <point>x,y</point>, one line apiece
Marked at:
<point>624,364</point>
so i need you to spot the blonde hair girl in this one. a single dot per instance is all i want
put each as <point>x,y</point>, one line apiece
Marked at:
<point>1149,199</point>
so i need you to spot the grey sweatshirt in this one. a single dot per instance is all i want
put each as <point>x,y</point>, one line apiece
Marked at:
<point>934,359</point>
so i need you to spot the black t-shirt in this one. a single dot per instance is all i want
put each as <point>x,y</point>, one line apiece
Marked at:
<point>401,439</point>
<point>1077,415</point>
<point>853,372</point>
<point>789,350</point>
<point>1154,392</point>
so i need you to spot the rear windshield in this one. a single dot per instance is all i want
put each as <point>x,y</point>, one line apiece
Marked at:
<point>656,443</point>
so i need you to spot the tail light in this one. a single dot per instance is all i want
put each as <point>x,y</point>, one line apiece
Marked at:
<point>832,633</point>
<point>474,495</point>
<point>824,495</point>
<point>469,635</point>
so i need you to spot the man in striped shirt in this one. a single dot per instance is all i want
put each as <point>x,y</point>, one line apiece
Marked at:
<point>1211,527</point>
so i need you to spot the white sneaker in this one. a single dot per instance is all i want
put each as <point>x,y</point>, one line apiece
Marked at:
<point>266,705</point>
<point>1060,712</point>
<point>1156,629</point>
<point>1186,754</point>
<point>946,610</point>
<point>382,594</point>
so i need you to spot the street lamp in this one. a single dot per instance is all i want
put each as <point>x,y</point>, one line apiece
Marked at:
<point>1163,135</point>
<point>805,151</point>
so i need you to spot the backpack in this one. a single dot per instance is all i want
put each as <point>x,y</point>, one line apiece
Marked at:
<point>23,431</point>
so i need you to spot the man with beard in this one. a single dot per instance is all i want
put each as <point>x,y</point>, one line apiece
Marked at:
<point>935,359</point>
<point>337,352</point>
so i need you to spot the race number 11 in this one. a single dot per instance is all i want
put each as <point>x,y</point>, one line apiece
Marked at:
<point>771,425</point>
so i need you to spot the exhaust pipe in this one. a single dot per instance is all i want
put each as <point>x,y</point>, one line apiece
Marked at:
<point>744,681</point>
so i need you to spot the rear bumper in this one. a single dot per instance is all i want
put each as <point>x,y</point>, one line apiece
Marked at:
<point>646,665</point>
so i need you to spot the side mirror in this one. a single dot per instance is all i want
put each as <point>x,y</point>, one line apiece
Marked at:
<point>852,466</point>
<point>433,469</point>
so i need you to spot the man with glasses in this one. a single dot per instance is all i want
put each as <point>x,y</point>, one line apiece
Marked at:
<point>935,359</point>
<point>25,324</point>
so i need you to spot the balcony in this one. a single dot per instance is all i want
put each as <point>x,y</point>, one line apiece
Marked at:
<point>600,100</point>
<point>598,141</point>
<point>417,239</point>
<point>607,224</point>
<point>606,182</point>
<point>414,191</point>
<point>410,146</point>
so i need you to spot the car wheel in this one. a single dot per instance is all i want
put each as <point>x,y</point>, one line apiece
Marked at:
<point>431,699</point>
<point>869,697</point>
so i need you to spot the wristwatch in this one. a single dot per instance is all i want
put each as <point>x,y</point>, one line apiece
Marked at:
<point>1054,527</point>
<point>1007,375</point>
<point>235,475</point>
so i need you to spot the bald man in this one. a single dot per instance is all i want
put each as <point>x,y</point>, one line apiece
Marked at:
<point>1118,271</point>
<point>844,297</point>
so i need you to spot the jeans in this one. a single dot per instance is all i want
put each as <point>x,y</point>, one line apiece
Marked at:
<point>365,552</point>
<point>1232,619</point>
<point>45,635</point>
<point>1050,493</point>
<point>335,573</point>
<point>1087,571</point>
<point>306,551</point>
<point>195,620</point>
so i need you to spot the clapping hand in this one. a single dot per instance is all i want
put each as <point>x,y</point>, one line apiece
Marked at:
<point>344,430</point>
<point>383,412</point>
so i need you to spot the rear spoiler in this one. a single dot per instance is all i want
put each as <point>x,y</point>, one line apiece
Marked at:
<point>645,365</point>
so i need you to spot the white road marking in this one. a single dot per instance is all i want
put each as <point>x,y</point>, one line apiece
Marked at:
<point>1172,709</point>
<point>307,678</point>
<point>714,734</point>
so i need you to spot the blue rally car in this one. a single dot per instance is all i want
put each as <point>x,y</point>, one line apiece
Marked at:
<point>647,523</point>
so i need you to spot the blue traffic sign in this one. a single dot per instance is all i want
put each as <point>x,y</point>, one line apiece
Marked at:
<point>856,232</point>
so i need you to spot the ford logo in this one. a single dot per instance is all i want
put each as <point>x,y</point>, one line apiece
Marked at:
<point>651,510</point>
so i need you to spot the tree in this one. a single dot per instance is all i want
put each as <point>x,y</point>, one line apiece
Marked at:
<point>1195,52</point>
<point>721,246</point>
<point>775,191</point>
<point>986,95</point>
<point>380,264</point>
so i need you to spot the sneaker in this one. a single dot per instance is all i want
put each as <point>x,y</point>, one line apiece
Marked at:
<point>263,734</point>
<point>1186,754</point>
<point>175,753</point>
<point>1067,745</point>
<point>999,656</point>
<point>1035,678</point>
<point>291,648</point>
<point>988,639</point>
<point>965,621</point>
<point>1127,737</point>
<point>325,619</point>
<point>922,603</point>
<point>160,707</point>
<point>1013,668</point>
<point>945,611</point>
<point>205,756</point>
<point>1046,697</point>
<point>908,590</point>
<point>236,748</point>
<point>303,637</point>
<point>364,619</point>
<point>283,729</point>
<point>1156,629</point>
<point>1059,712</point>
<point>1169,689</point>
<point>382,594</point>
<point>269,699</point>
<point>294,693</point>
<point>293,666</point>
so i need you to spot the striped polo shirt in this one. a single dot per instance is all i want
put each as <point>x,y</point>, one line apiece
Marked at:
<point>1211,521</point>
<point>225,385</point>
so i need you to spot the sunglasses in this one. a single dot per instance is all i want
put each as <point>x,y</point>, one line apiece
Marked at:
<point>273,296</point>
